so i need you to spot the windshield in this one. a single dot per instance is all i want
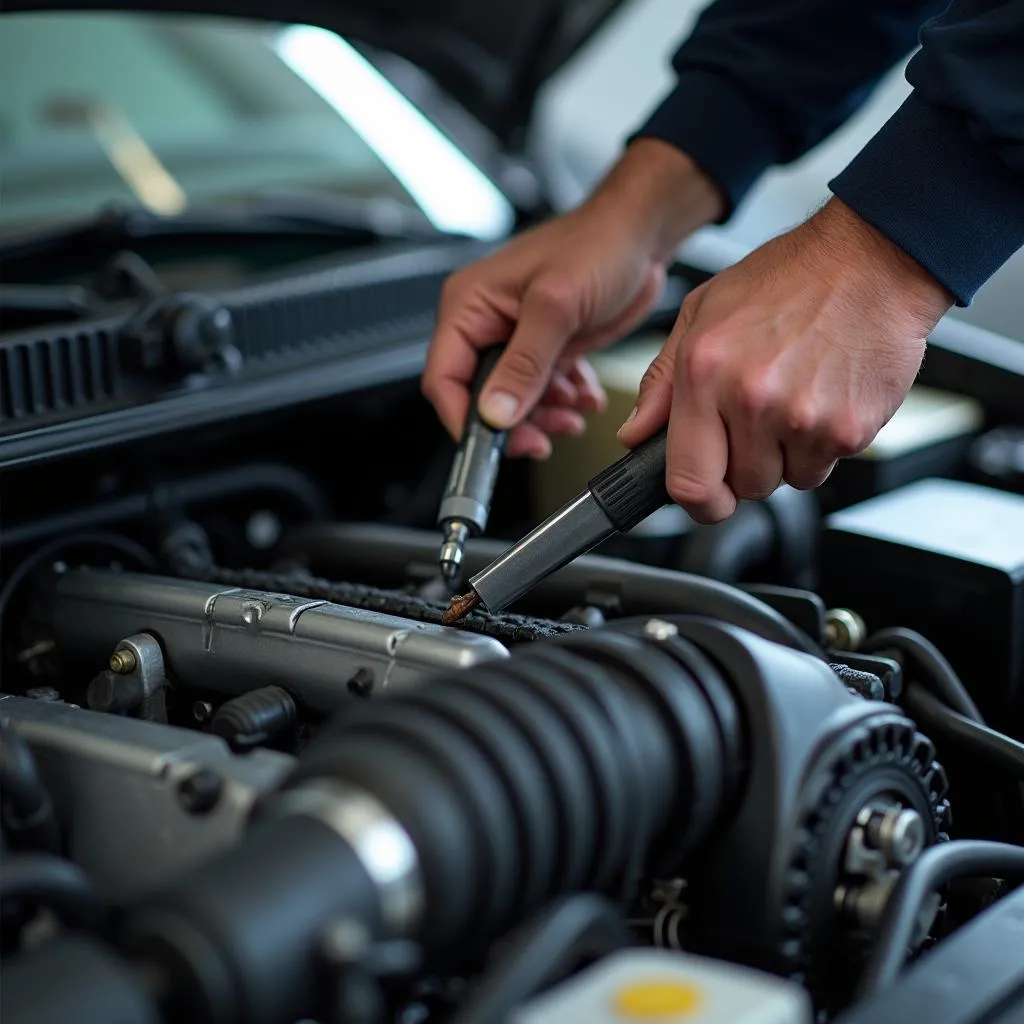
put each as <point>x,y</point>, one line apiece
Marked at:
<point>169,112</point>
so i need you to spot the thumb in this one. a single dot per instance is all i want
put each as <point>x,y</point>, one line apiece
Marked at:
<point>654,399</point>
<point>548,318</point>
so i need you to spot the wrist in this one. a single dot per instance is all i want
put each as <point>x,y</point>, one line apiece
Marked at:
<point>894,278</point>
<point>659,195</point>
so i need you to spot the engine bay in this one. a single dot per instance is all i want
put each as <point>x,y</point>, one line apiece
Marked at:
<point>249,776</point>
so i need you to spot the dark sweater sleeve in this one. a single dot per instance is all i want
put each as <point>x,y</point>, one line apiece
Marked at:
<point>759,82</point>
<point>944,178</point>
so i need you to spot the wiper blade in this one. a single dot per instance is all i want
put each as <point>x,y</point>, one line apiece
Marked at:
<point>31,255</point>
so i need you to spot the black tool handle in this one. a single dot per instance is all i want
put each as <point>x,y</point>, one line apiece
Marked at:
<point>485,366</point>
<point>629,490</point>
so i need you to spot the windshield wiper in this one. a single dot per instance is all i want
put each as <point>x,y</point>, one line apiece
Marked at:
<point>38,254</point>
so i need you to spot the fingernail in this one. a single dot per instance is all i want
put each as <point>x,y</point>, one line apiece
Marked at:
<point>499,408</point>
<point>629,419</point>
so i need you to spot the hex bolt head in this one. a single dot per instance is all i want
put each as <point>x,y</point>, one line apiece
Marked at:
<point>200,792</point>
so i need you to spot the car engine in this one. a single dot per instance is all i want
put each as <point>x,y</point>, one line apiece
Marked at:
<point>770,773</point>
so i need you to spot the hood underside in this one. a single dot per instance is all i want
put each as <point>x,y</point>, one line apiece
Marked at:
<point>492,57</point>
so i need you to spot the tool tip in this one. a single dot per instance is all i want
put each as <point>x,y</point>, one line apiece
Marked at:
<point>460,607</point>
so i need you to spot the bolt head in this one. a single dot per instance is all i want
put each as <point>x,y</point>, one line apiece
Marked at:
<point>904,836</point>
<point>122,661</point>
<point>200,792</point>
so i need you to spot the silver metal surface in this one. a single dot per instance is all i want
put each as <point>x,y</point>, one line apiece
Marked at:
<point>148,670</point>
<point>466,502</point>
<point>453,548</point>
<point>571,531</point>
<point>115,782</point>
<point>380,842</point>
<point>233,641</point>
<point>885,838</point>
<point>467,496</point>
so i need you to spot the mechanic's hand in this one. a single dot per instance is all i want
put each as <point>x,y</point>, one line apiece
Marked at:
<point>569,287</point>
<point>791,359</point>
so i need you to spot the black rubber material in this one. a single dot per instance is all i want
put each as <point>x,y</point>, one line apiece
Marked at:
<point>617,730</point>
<point>530,796</point>
<point>73,979</point>
<point>552,744</point>
<point>716,691</point>
<point>608,795</point>
<point>419,796</point>
<point>631,725</point>
<point>629,490</point>
<point>699,790</point>
<point>472,773</point>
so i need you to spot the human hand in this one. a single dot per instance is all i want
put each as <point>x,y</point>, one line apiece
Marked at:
<point>786,362</point>
<point>568,287</point>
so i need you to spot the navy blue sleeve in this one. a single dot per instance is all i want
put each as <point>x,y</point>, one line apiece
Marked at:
<point>759,82</point>
<point>944,178</point>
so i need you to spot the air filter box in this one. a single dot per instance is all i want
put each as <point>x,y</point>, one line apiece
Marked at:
<point>947,559</point>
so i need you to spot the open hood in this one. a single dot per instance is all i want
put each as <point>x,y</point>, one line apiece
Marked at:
<point>492,56</point>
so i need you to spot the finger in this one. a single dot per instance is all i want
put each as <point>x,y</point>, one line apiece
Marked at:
<point>591,396</point>
<point>756,461</point>
<point>806,469</point>
<point>548,317</point>
<point>528,441</point>
<point>557,420</point>
<point>466,323</point>
<point>654,398</point>
<point>697,453</point>
<point>562,390</point>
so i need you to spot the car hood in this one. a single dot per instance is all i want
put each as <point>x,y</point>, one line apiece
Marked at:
<point>492,57</point>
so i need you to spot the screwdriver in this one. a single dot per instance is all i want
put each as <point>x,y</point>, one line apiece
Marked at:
<point>617,499</point>
<point>466,503</point>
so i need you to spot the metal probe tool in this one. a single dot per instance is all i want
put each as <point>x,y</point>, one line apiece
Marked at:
<point>467,497</point>
<point>617,499</point>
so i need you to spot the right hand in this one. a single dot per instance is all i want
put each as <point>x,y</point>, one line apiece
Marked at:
<point>568,287</point>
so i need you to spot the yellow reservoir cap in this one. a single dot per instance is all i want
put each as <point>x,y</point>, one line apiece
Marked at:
<point>656,1000</point>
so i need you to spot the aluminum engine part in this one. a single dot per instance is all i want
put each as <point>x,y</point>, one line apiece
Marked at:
<point>235,640</point>
<point>142,801</point>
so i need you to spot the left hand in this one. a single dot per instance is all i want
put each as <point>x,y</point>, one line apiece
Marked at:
<point>786,362</point>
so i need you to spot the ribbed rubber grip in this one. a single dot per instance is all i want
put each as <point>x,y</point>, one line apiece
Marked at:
<point>629,490</point>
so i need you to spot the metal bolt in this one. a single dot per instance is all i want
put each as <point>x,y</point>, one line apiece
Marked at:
<point>658,629</point>
<point>844,629</point>
<point>900,835</point>
<point>202,710</point>
<point>361,684</point>
<point>123,661</point>
<point>201,791</point>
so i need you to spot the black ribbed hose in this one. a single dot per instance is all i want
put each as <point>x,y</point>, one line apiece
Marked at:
<point>553,772</point>
<point>566,769</point>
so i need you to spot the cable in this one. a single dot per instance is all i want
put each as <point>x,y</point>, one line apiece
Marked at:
<point>28,809</point>
<point>113,541</point>
<point>52,882</point>
<point>942,722</point>
<point>935,868</point>
<point>936,672</point>
<point>579,928</point>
